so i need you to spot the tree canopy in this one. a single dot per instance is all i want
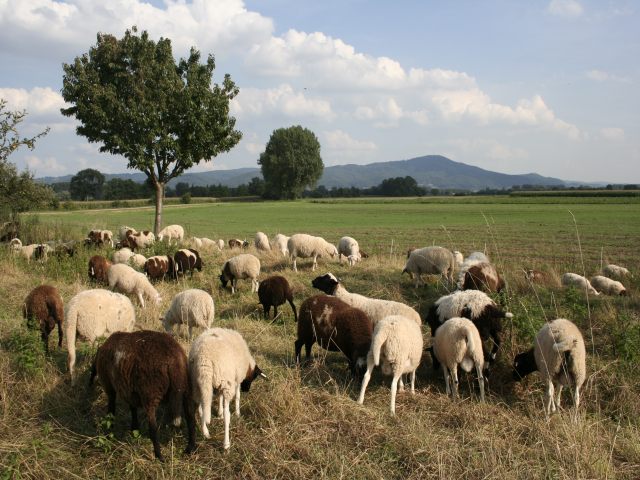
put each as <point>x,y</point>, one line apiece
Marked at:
<point>87,184</point>
<point>291,162</point>
<point>164,117</point>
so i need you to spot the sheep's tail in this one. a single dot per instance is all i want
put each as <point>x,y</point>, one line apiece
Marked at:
<point>471,355</point>
<point>376,344</point>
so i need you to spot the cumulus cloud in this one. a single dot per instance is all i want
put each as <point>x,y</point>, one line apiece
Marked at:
<point>602,76</point>
<point>37,101</point>
<point>342,141</point>
<point>565,8</point>
<point>612,133</point>
<point>47,165</point>
<point>280,100</point>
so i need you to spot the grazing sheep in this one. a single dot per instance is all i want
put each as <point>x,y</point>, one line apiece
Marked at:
<point>575,280</point>
<point>396,345</point>
<point>337,327</point>
<point>125,279</point>
<point>44,305</point>
<point>457,342</point>
<point>483,276</point>
<point>92,314</point>
<point>209,244</point>
<point>65,249</point>
<point>192,307</point>
<point>122,256</point>
<point>137,260</point>
<point>140,240</point>
<point>274,291</point>
<point>145,369</point>
<point>237,243</point>
<point>29,251</point>
<point>156,268</point>
<point>474,258</point>
<point>221,244</point>
<point>608,286</point>
<point>349,248</point>
<point>615,271</point>
<point>100,237</point>
<point>306,246</point>
<point>241,267</point>
<point>195,242</point>
<point>171,232</point>
<point>430,261</point>
<point>280,244</point>
<point>220,362</point>
<point>375,309</point>
<point>262,242</point>
<point>98,268</point>
<point>124,231</point>
<point>559,355</point>
<point>535,276</point>
<point>187,260</point>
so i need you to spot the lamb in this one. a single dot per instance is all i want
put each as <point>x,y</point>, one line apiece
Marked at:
<point>306,246</point>
<point>457,342</point>
<point>431,261</point>
<point>559,355</point>
<point>187,260</point>
<point>92,314</point>
<point>280,244</point>
<point>159,266</point>
<point>608,286</point>
<point>262,242</point>
<point>44,305</point>
<point>98,268</point>
<point>122,256</point>
<point>141,240</point>
<point>337,327</point>
<point>483,276</point>
<point>240,267</point>
<point>171,232</point>
<point>615,271</point>
<point>375,309</point>
<point>349,248</point>
<point>125,279</point>
<point>397,345</point>
<point>237,243</point>
<point>220,361</point>
<point>145,369</point>
<point>274,291</point>
<point>575,280</point>
<point>192,307</point>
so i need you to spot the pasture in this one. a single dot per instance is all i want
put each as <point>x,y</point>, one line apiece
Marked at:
<point>304,421</point>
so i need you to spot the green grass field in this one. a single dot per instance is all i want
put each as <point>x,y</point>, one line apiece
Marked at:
<point>304,422</point>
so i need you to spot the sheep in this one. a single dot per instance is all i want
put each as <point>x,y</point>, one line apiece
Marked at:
<point>608,286</point>
<point>124,231</point>
<point>15,244</point>
<point>220,244</point>
<point>375,309</point>
<point>121,256</point>
<point>274,291</point>
<point>280,244</point>
<point>65,249</point>
<point>196,242</point>
<point>95,313</point>
<point>137,260</point>
<point>99,237</point>
<point>478,307</point>
<point>559,355</point>
<point>209,244</point>
<point>125,279</point>
<point>459,259</point>
<point>337,327</point>
<point>157,267</point>
<point>28,251</point>
<point>457,342</point>
<point>44,305</point>
<point>474,258</point>
<point>220,361</point>
<point>535,276</point>
<point>349,248</point>
<point>147,368</point>
<point>396,345</point>
<point>615,271</point>
<point>187,260</point>
<point>262,242</point>
<point>241,267</point>
<point>575,280</point>
<point>171,232</point>
<point>431,261</point>
<point>237,243</point>
<point>98,268</point>
<point>141,240</point>
<point>483,276</point>
<point>192,307</point>
<point>305,246</point>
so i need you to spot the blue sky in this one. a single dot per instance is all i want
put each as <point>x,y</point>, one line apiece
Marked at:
<point>543,86</point>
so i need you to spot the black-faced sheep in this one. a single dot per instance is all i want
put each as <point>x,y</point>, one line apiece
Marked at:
<point>44,305</point>
<point>98,268</point>
<point>241,267</point>
<point>145,369</point>
<point>187,260</point>
<point>273,292</point>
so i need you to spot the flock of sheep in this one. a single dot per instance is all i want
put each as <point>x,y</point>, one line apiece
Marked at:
<point>145,368</point>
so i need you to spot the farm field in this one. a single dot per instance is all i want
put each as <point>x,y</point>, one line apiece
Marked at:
<point>305,422</point>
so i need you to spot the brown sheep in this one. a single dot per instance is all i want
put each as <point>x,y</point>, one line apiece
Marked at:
<point>237,243</point>
<point>158,267</point>
<point>44,304</point>
<point>187,260</point>
<point>146,368</point>
<point>483,276</point>
<point>274,291</point>
<point>98,266</point>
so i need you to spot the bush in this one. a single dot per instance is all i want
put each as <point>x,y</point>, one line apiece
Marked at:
<point>27,349</point>
<point>186,198</point>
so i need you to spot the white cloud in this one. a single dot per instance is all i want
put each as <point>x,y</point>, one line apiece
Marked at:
<point>489,148</point>
<point>44,166</point>
<point>612,133</point>
<point>37,101</point>
<point>601,76</point>
<point>565,8</point>
<point>280,100</point>
<point>342,141</point>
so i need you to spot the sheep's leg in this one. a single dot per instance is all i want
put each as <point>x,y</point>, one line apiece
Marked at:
<point>496,345</point>
<point>558,394</point>
<point>71,359</point>
<point>549,406</point>
<point>275,311</point>
<point>401,384</point>
<point>59,334</point>
<point>190,415</point>
<point>394,387</point>
<point>204,387</point>
<point>298,345</point>
<point>315,263</point>
<point>446,379</point>
<point>576,398</point>
<point>140,299</point>
<point>135,425</point>
<point>190,328</point>
<point>153,430</point>
<point>413,382</point>
<point>480,381</point>
<point>237,400</point>
<point>454,378</point>
<point>220,405</point>
<point>227,421</point>
<point>233,286</point>
<point>45,340</point>
<point>111,399</point>
<point>295,267</point>
<point>365,379</point>
<point>266,309</point>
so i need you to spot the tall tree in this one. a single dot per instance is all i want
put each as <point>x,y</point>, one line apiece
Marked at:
<point>164,117</point>
<point>291,162</point>
<point>85,184</point>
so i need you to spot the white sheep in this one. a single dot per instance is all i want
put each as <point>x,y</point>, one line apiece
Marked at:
<point>26,251</point>
<point>15,244</point>
<point>125,279</point>
<point>280,242</point>
<point>122,231</point>
<point>396,345</point>
<point>261,242</point>
<point>221,244</point>
<point>349,248</point>
<point>615,271</point>
<point>208,244</point>
<point>457,342</point>
<point>559,355</point>
<point>306,246</point>
<point>137,260</point>
<point>192,307</point>
<point>220,362</point>
<point>459,258</point>
<point>430,261</point>
<point>375,309</point>
<point>608,286</point>
<point>195,242</point>
<point>575,280</point>
<point>92,314</point>
<point>241,267</point>
<point>171,232</point>
<point>122,256</point>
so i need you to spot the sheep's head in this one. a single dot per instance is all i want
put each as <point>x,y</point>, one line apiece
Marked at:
<point>245,385</point>
<point>523,364</point>
<point>165,323</point>
<point>327,283</point>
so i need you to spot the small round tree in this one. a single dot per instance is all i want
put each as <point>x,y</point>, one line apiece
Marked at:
<point>291,162</point>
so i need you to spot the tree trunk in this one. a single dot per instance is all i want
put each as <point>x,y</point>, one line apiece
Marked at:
<point>159,197</point>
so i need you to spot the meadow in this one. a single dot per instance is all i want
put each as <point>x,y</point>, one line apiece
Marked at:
<point>304,421</point>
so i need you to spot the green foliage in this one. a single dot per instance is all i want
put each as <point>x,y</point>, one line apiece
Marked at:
<point>105,440</point>
<point>627,339</point>
<point>27,349</point>
<point>119,189</point>
<point>398,187</point>
<point>186,198</point>
<point>87,184</point>
<point>10,139</point>
<point>291,162</point>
